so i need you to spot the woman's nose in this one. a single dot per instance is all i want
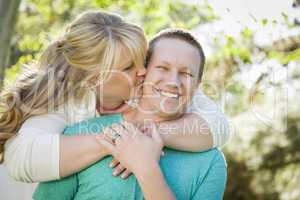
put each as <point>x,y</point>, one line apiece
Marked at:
<point>141,71</point>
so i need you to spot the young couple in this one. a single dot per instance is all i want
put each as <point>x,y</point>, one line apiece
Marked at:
<point>100,92</point>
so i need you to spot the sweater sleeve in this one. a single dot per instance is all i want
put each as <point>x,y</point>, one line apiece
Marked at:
<point>33,154</point>
<point>217,121</point>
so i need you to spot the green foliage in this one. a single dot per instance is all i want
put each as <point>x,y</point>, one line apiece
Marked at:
<point>41,20</point>
<point>283,57</point>
<point>264,22</point>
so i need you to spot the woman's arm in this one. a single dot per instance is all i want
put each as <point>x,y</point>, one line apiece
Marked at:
<point>204,126</point>
<point>78,152</point>
<point>40,153</point>
<point>153,184</point>
<point>189,133</point>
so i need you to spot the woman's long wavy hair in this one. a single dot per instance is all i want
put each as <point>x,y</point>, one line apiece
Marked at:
<point>88,49</point>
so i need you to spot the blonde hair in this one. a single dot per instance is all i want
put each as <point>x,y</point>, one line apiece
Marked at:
<point>90,46</point>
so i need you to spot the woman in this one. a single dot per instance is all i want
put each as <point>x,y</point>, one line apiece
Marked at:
<point>97,47</point>
<point>174,72</point>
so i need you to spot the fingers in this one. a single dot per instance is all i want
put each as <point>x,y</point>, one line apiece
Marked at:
<point>126,174</point>
<point>120,129</point>
<point>108,134</point>
<point>115,132</point>
<point>113,163</point>
<point>111,148</point>
<point>118,170</point>
<point>131,129</point>
<point>155,134</point>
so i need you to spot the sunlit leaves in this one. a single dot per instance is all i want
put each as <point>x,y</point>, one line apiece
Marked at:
<point>12,72</point>
<point>264,22</point>
<point>285,57</point>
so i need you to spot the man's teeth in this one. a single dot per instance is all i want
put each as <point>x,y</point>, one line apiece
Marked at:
<point>167,94</point>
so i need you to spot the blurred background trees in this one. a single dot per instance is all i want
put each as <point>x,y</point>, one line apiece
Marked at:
<point>8,14</point>
<point>253,73</point>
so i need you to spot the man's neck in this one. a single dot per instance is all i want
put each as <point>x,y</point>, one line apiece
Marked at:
<point>143,113</point>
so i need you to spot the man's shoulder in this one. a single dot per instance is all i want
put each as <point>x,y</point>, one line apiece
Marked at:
<point>92,125</point>
<point>195,160</point>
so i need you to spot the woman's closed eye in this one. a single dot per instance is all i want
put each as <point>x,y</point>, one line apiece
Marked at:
<point>128,68</point>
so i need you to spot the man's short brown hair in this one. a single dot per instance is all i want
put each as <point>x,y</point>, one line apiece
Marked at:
<point>181,35</point>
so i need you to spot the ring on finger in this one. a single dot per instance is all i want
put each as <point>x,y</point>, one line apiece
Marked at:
<point>115,136</point>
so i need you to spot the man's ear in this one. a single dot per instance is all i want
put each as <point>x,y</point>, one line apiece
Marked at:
<point>198,83</point>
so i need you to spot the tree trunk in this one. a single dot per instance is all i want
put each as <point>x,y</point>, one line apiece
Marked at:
<point>8,16</point>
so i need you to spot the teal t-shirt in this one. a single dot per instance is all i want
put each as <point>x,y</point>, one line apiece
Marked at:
<point>194,176</point>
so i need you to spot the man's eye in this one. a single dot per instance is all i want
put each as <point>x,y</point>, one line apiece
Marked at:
<point>187,74</point>
<point>162,67</point>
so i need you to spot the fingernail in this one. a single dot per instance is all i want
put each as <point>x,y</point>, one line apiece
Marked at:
<point>111,165</point>
<point>115,173</point>
<point>123,176</point>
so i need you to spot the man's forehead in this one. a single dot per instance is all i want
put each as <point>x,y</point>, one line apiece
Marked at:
<point>178,55</point>
<point>167,45</point>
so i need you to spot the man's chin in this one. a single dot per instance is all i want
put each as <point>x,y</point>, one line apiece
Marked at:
<point>171,113</point>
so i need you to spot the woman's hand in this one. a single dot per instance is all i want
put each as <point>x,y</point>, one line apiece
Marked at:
<point>119,169</point>
<point>135,151</point>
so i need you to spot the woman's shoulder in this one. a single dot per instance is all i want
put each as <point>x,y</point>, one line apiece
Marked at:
<point>46,122</point>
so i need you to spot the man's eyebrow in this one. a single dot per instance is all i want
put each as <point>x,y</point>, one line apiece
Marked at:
<point>166,62</point>
<point>187,68</point>
<point>183,67</point>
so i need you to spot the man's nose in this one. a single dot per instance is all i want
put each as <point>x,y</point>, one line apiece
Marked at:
<point>173,80</point>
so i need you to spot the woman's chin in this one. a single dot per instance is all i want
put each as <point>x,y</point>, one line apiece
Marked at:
<point>117,109</point>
